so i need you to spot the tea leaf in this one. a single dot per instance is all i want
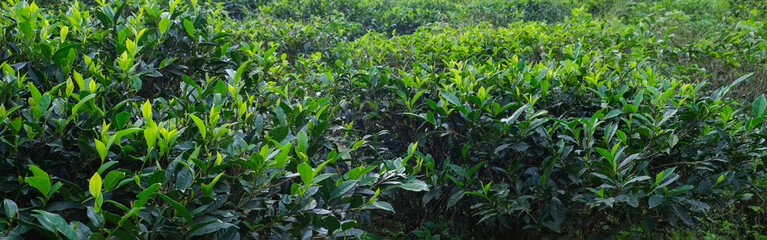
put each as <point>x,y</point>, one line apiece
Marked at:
<point>94,185</point>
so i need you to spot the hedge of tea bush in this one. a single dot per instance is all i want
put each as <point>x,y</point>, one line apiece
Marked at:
<point>146,119</point>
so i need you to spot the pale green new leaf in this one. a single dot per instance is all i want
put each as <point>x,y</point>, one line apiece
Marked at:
<point>94,185</point>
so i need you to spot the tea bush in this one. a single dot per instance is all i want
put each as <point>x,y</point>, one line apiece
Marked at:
<point>147,119</point>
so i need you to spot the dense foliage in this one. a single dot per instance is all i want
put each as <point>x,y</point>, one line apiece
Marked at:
<point>145,119</point>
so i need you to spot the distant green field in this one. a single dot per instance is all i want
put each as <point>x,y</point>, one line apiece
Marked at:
<point>383,119</point>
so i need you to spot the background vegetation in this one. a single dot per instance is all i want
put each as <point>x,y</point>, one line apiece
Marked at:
<point>187,119</point>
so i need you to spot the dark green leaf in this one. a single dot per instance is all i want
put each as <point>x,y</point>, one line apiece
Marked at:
<point>279,133</point>
<point>10,208</point>
<point>122,118</point>
<point>342,188</point>
<point>655,200</point>
<point>455,198</point>
<point>348,224</point>
<point>112,178</point>
<point>699,204</point>
<point>382,205</point>
<point>57,222</point>
<point>415,186</point>
<point>143,197</point>
<point>179,208</point>
<point>557,211</point>
<point>760,107</point>
<point>683,214</point>
<point>210,227</point>
<point>331,223</point>
<point>450,97</point>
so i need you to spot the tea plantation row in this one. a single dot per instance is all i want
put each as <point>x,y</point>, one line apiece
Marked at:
<point>187,119</point>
